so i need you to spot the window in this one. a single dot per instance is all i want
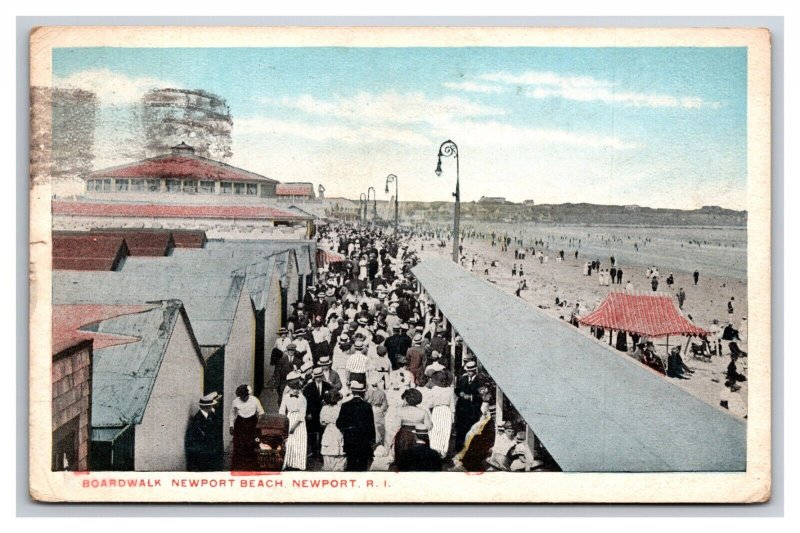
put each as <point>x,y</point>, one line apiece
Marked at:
<point>154,185</point>
<point>122,185</point>
<point>137,185</point>
<point>173,185</point>
<point>227,187</point>
<point>107,185</point>
<point>207,187</point>
<point>190,186</point>
<point>252,189</point>
<point>238,188</point>
<point>91,185</point>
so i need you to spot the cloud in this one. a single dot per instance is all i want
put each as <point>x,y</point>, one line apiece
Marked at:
<point>112,88</point>
<point>389,107</point>
<point>588,89</point>
<point>473,87</point>
<point>342,133</point>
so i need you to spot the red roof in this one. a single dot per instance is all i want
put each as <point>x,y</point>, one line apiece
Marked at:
<point>180,166</point>
<point>294,189</point>
<point>96,209</point>
<point>189,238</point>
<point>87,252</point>
<point>68,319</point>
<point>652,315</point>
<point>142,242</point>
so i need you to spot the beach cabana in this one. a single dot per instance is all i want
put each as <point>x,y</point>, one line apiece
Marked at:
<point>647,315</point>
<point>593,409</point>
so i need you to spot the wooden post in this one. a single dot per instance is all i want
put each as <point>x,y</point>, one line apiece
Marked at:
<point>499,406</point>
<point>610,336</point>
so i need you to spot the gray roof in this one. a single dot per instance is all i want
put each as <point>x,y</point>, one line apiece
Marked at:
<point>256,270</point>
<point>210,300</point>
<point>594,409</point>
<point>305,250</point>
<point>123,375</point>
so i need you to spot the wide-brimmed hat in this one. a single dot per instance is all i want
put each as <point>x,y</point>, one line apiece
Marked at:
<point>357,386</point>
<point>470,365</point>
<point>318,371</point>
<point>417,338</point>
<point>358,344</point>
<point>324,361</point>
<point>343,338</point>
<point>300,331</point>
<point>404,326</point>
<point>306,367</point>
<point>291,346</point>
<point>293,376</point>
<point>209,400</point>
<point>282,331</point>
<point>363,321</point>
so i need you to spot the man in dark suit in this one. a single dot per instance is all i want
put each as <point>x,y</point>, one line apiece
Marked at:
<point>397,344</point>
<point>313,393</point>
<point>203,439</point>
<point>468,401</point>
<point>357,425</point>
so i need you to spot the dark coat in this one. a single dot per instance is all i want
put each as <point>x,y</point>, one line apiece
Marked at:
<point>468,411</point>
<point>314,405</point>
<point>419,458</point>
<point>357,425</point>
<point>203,443</point>
<point>396,345</point>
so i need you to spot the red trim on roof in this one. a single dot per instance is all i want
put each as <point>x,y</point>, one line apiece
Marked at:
<point>294,189</point>
<point>652,315</point>
<point>173,166</point>
<point>68,319</point>
<point>93,209</point>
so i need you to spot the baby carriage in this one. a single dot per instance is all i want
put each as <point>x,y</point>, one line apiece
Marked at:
<point>271,443</point>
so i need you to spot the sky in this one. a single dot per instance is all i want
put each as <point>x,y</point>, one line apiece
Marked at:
<point>658,127</point>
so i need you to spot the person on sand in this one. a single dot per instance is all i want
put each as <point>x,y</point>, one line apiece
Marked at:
<point>654,283</point>
<point>676,368</point>
<point>681,297</point>
<point>696,276</point>
<point>629,287</point>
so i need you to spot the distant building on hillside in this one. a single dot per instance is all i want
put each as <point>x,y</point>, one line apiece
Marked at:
<point>492,200</point>
<point>529,203</point>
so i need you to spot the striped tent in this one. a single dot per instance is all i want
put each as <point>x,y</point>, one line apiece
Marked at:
<point>651,315</point>
<point>325,258</point>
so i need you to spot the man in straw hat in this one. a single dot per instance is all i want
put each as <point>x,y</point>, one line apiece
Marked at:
<point>357,425</point>
<point>468,400</point>
<point>329,375</point>
<point>313,393</point>
<point>203,440</point>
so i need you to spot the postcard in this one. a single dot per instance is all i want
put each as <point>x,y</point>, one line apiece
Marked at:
<point>400,264</point>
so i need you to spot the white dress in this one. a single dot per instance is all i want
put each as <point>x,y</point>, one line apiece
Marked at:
<point>294,407</point>
<point>442,403</point>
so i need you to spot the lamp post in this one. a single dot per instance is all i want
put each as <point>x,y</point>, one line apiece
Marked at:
<point>374,203</point>
<point>449,149</point>
<point>389,179</point>
<point>362,215</point>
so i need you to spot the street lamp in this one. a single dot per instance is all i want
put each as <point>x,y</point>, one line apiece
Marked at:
<point>362,200</point>
<point>389,179</point>
<point>374,203</point>
<point>449,149</point>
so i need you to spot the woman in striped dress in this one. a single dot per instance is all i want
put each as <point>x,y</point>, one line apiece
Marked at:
<point>293,406</point>
<point>441,400</point>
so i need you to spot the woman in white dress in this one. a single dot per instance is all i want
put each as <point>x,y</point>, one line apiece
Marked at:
<point>441,400</point>
<point>293,406</point>
<point>332,447</point>
<point>362,267</point>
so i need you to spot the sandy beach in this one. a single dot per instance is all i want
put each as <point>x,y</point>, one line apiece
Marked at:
<point>547,280</point>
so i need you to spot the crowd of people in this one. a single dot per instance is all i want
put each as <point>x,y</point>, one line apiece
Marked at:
<point>370,378</point>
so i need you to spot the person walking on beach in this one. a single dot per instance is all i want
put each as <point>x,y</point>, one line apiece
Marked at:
<point>730,306</point>
<point>654,283</point>
<point>696,276</point>
<point>514,270</point>
<point>681,297</point>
